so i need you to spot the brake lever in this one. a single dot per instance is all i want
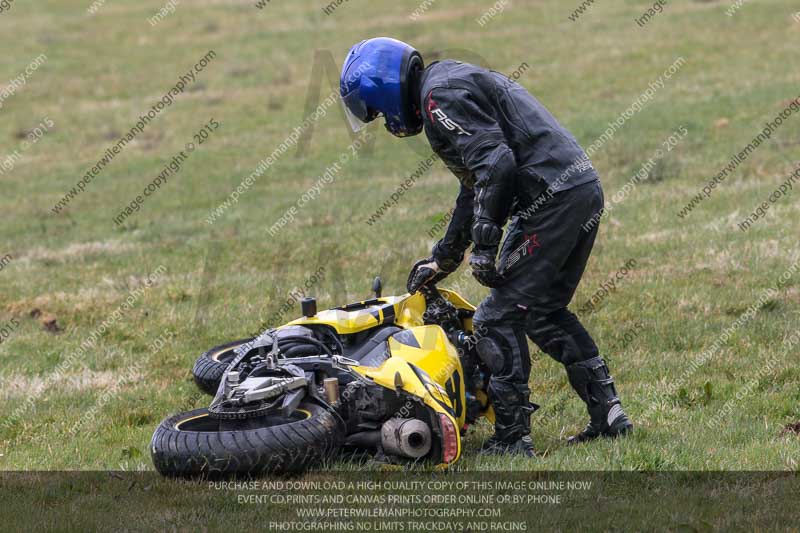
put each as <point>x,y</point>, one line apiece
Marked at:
<point>343,362</point>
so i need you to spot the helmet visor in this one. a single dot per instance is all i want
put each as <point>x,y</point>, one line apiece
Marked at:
<point>356,124</point>
<point>356,111</point>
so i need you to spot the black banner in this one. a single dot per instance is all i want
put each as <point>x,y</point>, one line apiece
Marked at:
<point>403,501</point>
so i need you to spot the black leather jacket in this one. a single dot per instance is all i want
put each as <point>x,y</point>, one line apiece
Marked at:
<point>502,144</point>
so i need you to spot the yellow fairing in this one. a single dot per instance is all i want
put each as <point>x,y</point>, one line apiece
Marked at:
<point>439,381</point>
<point>404,311</point>
<point>428,348</point>
<point>397,371</point>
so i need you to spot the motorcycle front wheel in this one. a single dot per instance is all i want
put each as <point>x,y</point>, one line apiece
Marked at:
<point>195,444</point>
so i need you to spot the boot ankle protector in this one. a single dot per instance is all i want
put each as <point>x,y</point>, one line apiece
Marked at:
<point>593,383</point>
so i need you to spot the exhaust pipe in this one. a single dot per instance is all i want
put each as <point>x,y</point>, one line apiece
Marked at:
<point>406,437</point>
<point>364,439</point>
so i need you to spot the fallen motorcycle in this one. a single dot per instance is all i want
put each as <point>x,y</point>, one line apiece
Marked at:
<point>382,377</point>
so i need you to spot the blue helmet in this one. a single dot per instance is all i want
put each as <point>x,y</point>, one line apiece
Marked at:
<point>379,77</point>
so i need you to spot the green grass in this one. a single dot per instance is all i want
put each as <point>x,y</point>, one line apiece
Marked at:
<point>694,277</point>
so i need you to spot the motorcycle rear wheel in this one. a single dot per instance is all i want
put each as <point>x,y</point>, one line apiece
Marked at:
<point>210,367</point>
<point>194,443</point>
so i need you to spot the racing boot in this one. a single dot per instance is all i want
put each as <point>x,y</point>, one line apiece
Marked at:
<point>522,446</point>
<point>512,424</point>
<point>595,386</point>
<point>489,445</point>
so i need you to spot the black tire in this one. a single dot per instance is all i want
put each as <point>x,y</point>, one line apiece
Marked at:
<point>192,444</point>
<point>209,367</point>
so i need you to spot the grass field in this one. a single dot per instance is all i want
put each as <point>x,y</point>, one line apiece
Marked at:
<point>700,331</point>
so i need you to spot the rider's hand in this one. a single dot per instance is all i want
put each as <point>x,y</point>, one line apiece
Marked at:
<point>423,272</point>
<point>486,235</point>
<point>484,269</point>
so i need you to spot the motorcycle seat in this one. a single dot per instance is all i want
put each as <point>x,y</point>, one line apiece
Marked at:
<point>374,349</point>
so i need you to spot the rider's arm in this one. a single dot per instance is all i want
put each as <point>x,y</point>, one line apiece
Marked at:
<point>481,143</point>
<point>449,251</point>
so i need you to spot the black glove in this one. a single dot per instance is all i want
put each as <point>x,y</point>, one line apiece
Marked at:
<point>484,269</point>
<point>424,271</point>
<point>448,259</point>
<point>486,235</point>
